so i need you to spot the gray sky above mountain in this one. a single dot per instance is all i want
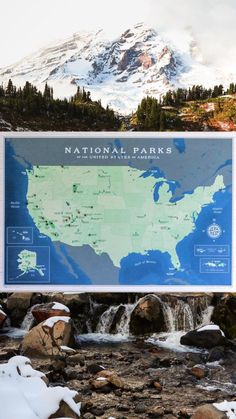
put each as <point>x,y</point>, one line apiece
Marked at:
<point>27,25</point>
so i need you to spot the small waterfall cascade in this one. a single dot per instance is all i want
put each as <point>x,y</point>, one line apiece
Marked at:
<point>183,316</point>
<point>107,319</point>
<point>28,320</point>
<point>169,317</point>
<point>206,315</point>
<point>180,313</point>
<point>123,326</point>
<point>92,310</point>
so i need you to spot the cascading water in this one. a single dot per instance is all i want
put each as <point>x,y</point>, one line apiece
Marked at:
<point>179,314</point>
<point>123,326</point>
<point>107,318</point>
<point>28,321</point>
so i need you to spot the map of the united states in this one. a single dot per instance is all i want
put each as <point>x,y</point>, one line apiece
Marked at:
<point>112,209</point>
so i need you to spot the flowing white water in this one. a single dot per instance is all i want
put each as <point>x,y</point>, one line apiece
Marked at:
<point>169,317</point>
<point>102,338</point>
<point>206,315</point>
<point>114,325</point>
<point>28,321</point>
<point>106,319</point>
<point>123,326</point>
<point>171,341</point>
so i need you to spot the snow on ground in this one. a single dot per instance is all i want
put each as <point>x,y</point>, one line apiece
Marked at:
<point>59,306</point>
<point>25,395</point>
<point>210,327</point>
<point>228,407</point>
<point>53,320</point>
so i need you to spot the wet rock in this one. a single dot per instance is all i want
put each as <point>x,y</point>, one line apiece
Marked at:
<point>112,378</point>
<point>75,302</point>
<point>157,386</point>
<point>114,298</point>
<point>194,358</point>
<point>18,304</point>
<point>140,408</point>
<point>156,412</point>
<point>199,371</point>
<point>233,377</point>
<point>99,383</point>
<point>73,373</point>
<point>76,359</point>
<point>97,411</point>
<point>88,416</point>
<point>208,412</point>
<point>42,312</point>
<point>65,411</point>
<point>94,368</point>
<point>215,354</point>
<point>204,339</point>
<point>224,315</point>
<point>148,316</point>
<point>3,317</point>
<point>47,338</point>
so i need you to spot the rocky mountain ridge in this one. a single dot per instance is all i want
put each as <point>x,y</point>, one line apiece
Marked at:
<point>120,72</point>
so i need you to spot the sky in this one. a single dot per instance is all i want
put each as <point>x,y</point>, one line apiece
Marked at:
<point>27,25</point>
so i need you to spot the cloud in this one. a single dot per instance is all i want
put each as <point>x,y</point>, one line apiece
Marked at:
<point>212,23</point>
<point>27,25</point>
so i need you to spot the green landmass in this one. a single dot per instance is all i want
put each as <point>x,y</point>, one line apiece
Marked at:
<point>112,209</point>
<point>27,262</point>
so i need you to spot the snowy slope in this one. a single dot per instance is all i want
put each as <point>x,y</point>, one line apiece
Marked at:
<point>120,72</point>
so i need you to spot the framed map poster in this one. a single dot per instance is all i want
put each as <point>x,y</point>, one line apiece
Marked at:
<point>117,211</point>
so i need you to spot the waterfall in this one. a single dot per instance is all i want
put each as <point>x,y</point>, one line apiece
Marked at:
<point>123,325</point>
<point>206,315</point>
<point>108,317</point>
<point>181,314</point>
<point>169,317</point>
<point>28,321</point>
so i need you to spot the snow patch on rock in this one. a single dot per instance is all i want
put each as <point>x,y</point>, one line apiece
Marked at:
<point>24,393</point>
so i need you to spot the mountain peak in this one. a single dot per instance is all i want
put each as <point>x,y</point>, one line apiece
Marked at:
<point>119,71</point>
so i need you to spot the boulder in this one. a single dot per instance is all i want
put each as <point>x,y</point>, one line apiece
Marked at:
<point>47,337</point>
<point>224,315</point>
<point>3,317</point>
<point>208,412</point>
<point>18,304</point>
<point>204,338</point>
<point>65,411</point>
<point>148,316</point>
<point>106,377</point>
<point>42,312</point>
<point>76,303</point>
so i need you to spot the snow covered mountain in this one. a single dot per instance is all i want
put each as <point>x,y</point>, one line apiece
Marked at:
<point>119,72</point>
